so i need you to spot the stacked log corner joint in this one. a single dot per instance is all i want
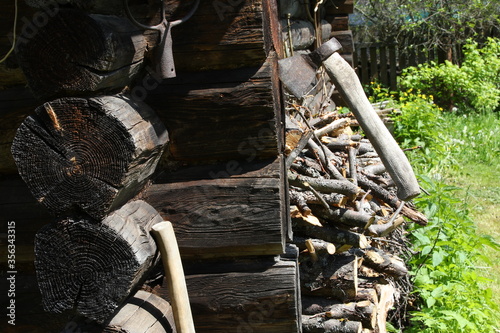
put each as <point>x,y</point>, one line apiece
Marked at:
<point>86,158</point>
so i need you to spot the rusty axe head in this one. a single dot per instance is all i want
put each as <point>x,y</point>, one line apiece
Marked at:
<point>298,72</point>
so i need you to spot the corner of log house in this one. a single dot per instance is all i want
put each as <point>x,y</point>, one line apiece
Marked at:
<point>204,150</point>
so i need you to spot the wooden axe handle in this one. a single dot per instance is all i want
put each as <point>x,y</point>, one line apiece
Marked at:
<point>394,159</point>
<point>171,258</point>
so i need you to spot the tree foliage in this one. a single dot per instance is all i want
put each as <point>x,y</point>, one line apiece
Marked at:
<point>430,23</point>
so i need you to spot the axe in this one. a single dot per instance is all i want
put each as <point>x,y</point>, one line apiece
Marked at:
<point>298,74</point>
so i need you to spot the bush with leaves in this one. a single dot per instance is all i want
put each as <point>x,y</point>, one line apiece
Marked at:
<point>452,296</point>
<point>475,85</point>
<point>443,270</point>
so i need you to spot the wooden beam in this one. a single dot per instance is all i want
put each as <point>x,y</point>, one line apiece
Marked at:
<point>233,209</point>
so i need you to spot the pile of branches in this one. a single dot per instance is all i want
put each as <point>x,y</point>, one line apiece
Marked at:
<point>349,225</point>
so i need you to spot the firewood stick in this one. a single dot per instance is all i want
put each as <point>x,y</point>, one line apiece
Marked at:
<point>337,124</point>
<point>384,262</point>
<point>324,120</point>
<point>333,199</point>
<point>322,152</point>
<point>352,165</point>
<point>382,230</point>
<point>325,185</point>
<point>344,216</point>
<point>386,301</point>
<point>296,151</point>
<point>383,195</point>
<point>317,323</point>
<point>376,169</point>
<point>330,234</point>
<point>320,246</point>
<point>311,249</point>
<point>169,250</point>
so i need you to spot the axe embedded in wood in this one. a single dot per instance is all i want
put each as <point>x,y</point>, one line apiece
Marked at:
<point>346,81</point>
<point>298,73</point>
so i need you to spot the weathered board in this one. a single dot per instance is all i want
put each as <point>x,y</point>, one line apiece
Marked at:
<point>247,295</point>
<point>234,209</point>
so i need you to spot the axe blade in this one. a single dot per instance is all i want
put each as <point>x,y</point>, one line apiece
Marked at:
<point>298,73</point>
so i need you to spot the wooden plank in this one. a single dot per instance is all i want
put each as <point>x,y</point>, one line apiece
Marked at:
<point>393,68</point>
<point>365,79</point>
<point>239,214</point>
<point>261,297</point>
<point>384,75</point>
<point>221,115</point>
<point>341,7</point>
<point>374,74</point>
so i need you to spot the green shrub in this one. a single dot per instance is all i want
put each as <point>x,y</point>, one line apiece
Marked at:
<point>453,299</point>
<point>475,85</point>
<point>451,293</point>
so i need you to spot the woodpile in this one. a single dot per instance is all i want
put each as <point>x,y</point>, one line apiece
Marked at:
<point>346,218</point>
<point>344,187</point>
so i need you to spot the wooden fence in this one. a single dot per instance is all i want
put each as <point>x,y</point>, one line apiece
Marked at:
<point>383,63</point>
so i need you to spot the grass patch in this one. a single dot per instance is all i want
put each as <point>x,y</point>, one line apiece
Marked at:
<point>479,180</point>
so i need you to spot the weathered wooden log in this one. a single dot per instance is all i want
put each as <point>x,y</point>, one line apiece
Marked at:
<point>142,312</point>
<point>232,209</point>
<point>237,110</point>
<point>385,196</point>
<point>320,246</point>
<point>343,216</point>
<point>384,262</point>
<point>394,159</point>
<point>260,295</point>
<point>386,301</point>
<point>330,234</point>
<point>244,35</point>
<point>90,155</point>
<point>97,6</point>
<point>92,267</point>
<point>333,199</point>
<point>294,9</point>
<point>332,276</point>
<point>113,54</point>
<point>325,185</point>
<point>319,324</point>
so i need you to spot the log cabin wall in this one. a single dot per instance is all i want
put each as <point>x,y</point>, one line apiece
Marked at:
<point>221,180</point>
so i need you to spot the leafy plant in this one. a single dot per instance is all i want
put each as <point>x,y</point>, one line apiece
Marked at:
<point>451,292</point>
<point>475,85</point>
<point>453,299</point>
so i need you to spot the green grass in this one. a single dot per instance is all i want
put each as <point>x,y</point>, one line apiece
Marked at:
<point>478,175</point>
